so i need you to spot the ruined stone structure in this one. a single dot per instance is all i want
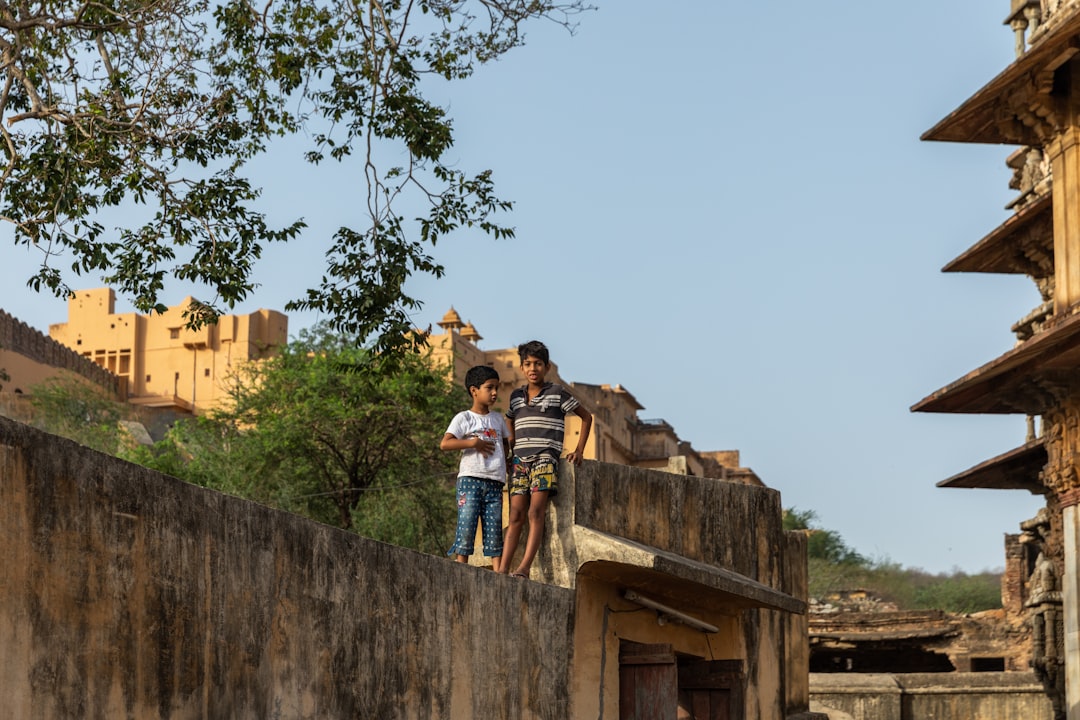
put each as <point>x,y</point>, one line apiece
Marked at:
<point>918,641</point>
<point>874,662</point>
<point>126,593</point>
<point>618,434</point>
<point>162,362</point>
<point>1034,103</point>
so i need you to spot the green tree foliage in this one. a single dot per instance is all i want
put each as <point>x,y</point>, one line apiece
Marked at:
<point>81,412</point>
<point>156,108</point>
<point>834,566</point>
<point>328,430</point>
<point>958,592</point>
<point>204,451</point>
<point>821,544</point>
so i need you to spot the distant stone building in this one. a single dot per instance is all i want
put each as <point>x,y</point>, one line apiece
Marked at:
<point>162,362</point>
<point>618,435</point>
<point>1034,104</point>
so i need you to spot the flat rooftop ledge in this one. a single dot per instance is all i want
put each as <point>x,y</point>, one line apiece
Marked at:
<point>924,683</point>
<point>162,401</point>
<point>663,574</point>
<point>943,631</point>
<point>854,683</point>
<point>1004,682</point>
<point>1017,469</point>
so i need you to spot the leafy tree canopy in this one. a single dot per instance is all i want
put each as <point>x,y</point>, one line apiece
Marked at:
<point>327,430</point>
<point>79,411</point>
<point>821,544</point>
<point>157,107</point>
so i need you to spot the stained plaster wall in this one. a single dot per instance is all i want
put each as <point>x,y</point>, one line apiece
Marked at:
<point>728,525</point>
<point>128,594</point>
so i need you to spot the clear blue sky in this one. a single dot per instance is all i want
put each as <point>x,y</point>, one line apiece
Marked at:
<point>745,232</point>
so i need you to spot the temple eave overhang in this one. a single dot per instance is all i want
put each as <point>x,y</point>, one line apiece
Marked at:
<point>1000,251</point>
<point>988,116</point>
<point>1017,469</point>
<point>1028,379</point>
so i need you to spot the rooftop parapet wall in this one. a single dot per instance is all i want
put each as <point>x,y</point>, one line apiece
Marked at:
<point>727,525</point>
<point>126,593</point>
<point>18,337</point>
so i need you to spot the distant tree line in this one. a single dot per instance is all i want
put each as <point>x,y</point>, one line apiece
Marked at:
<point>834,566</point>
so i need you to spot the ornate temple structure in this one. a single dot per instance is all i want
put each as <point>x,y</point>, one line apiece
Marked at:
<point>1034,104</point>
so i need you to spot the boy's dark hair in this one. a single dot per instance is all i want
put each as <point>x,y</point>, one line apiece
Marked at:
<point>533,348</point>
<point>477,376</point>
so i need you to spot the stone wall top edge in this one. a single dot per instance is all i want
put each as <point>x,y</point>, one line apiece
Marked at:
<point>655,475</point>
<point>925,683</point>
<point>185,507</point>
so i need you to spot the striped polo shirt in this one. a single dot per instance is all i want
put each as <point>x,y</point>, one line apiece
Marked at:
<point>539,424</point>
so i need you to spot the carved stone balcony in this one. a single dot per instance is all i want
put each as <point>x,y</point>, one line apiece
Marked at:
<point>1025,18</point>
<point>1050,14</point>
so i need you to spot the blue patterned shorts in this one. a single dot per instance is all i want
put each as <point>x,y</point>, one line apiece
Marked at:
<point>479,500</point>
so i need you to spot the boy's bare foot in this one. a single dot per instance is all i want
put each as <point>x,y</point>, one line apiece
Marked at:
<point>519,575</point>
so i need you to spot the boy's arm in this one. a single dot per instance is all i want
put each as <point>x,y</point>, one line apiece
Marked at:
<point>482,446</point>
<point>583,437</point>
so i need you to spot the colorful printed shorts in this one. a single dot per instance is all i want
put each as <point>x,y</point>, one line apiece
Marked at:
<point>539,475</point>
<point>479,500</point>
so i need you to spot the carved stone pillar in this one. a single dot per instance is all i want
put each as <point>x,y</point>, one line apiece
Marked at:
<point>1062,439</point>
<point>1061,436</point>
<point>1070,591</point>
<point>1064,152</point>
<point>1019,26</point>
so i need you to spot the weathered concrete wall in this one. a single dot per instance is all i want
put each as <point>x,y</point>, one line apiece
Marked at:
<point>722,524</point>
<point>918,696</point>
<point>725,524</point>
<point>796,651</point>
<point>128,594</point>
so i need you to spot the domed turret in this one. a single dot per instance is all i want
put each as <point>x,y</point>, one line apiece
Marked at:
<point>451,320</point>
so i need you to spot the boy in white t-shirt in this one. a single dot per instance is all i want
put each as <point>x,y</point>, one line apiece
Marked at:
<point>485,440</point>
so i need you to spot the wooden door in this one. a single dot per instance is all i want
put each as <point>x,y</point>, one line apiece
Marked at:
<point>711,690</point>
<point>648,682</point>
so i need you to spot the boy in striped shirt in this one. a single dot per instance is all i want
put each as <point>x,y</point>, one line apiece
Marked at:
<point>537,418</point>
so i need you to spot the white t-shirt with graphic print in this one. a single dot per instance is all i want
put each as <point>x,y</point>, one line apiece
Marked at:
<point>491,427</point>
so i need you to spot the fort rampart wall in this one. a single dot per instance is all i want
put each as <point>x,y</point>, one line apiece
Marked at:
<point>19,338</point>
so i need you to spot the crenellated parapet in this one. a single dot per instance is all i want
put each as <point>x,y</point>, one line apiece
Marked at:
<point>18,337</point>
